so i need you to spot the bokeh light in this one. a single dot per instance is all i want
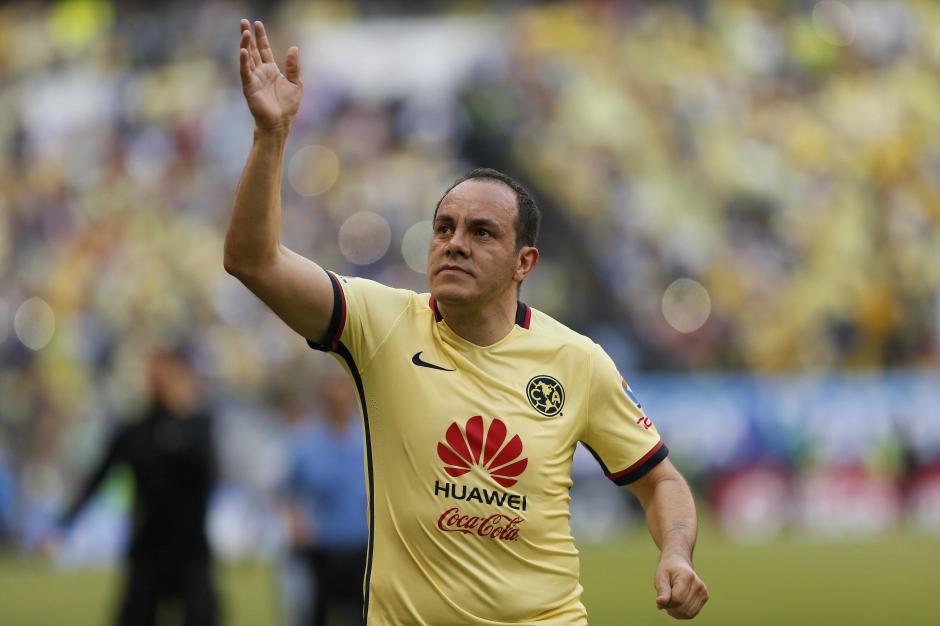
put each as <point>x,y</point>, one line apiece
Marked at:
<point>313,170</point>
<point>34,323</point>
<point>686,305</point>
<point>834,22</point>
<point>414,246</point>
<point>364,238</point>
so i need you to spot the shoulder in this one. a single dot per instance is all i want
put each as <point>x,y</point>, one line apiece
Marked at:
<point>548,328</point>
<point>578,349</point>
<point>371,293</point>
<point>303,442</point>
<point>372,288</point>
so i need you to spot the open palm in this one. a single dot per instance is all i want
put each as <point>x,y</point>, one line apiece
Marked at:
<point>273,98</point>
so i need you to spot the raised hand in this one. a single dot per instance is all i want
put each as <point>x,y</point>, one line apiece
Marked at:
<point>273,98</point>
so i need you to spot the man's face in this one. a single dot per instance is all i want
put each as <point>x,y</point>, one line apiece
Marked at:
<point>174,383</point>
<point>473,254</point>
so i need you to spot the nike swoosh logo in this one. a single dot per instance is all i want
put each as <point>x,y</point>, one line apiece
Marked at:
<point>416,359</point>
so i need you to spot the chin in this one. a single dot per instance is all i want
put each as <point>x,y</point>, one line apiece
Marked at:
<point>450,293</point>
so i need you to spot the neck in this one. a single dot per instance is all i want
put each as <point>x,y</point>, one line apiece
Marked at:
<point>485,324</point>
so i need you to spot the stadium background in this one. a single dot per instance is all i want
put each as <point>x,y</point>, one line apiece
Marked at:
<point>742,204</point>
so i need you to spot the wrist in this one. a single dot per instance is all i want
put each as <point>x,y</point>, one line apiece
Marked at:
<point>278,131</point>
<point>676,554</point>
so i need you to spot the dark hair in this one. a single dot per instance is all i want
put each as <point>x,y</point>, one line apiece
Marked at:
<point>528,215</point>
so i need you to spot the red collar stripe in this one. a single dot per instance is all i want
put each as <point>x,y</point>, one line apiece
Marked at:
<point>528,316</point>
<point>523,313</point>
<point>437,312</point>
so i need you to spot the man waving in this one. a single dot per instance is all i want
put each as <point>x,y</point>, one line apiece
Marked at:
<point>472,401</point>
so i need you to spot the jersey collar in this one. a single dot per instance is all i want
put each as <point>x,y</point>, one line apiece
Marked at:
<point>523,313</point>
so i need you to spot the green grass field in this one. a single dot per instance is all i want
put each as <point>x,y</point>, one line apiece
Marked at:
<point>887,581</point>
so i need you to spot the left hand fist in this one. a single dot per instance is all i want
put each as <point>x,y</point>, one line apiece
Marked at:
<point>679,590</point>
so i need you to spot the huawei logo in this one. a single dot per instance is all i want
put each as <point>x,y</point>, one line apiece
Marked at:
<point>486,449</point>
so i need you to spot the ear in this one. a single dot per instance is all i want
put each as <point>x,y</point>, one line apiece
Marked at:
<point>527,260</point>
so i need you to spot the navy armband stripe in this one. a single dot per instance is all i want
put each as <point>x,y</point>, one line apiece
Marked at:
<point>337,319</point>
<point>642,467</point>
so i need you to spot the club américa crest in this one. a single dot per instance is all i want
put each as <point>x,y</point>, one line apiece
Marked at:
<point>546,395</point>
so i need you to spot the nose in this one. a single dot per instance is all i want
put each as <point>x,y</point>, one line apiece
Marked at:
<point>457,245</point>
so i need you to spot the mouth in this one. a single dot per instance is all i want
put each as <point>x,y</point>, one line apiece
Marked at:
<point>453,269</point>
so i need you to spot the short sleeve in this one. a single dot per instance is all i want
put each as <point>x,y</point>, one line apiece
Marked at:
<point>364,312</point>
<point>618,433</point>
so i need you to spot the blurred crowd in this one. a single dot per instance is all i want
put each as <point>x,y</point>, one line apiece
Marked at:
<point>783,154</point>
<point>785,159</point>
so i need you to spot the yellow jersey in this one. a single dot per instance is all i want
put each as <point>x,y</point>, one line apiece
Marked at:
<point>468,457</point>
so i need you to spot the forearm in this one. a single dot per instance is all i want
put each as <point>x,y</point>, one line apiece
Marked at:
<point>89,486</point>
<point>295,288</point>
<point>253,236</point>
<point>670,515</point>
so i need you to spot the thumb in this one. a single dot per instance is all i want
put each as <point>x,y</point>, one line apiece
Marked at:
<point>663,589</point>
<point>292,65</point>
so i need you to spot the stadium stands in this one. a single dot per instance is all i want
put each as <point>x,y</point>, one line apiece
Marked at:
<point>795,179</point>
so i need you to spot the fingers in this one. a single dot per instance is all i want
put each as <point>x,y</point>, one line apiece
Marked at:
<point>254,54</point>
<point>245,45</point>
<point>689,595</point>
<point>244,66</point>
<point>696,604</point>
<point>292,65</point>
<point>264,48</point>
<point>663,589</point>
<point>680,591</point>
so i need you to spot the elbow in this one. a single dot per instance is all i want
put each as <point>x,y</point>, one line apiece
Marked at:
<point>243,266</point>
<point>232,265</point>
<point>239,266</point>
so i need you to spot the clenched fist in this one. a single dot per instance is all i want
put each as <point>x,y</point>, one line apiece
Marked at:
<point>679,590</point>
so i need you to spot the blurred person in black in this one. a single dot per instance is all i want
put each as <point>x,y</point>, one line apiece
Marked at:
<point>170,454</point>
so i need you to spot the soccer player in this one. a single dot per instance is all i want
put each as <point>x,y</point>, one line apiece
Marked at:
<point>472,402</point>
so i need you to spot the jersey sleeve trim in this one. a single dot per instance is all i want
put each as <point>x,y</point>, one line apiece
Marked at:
<point>337,319</point>
<point>636,471</point>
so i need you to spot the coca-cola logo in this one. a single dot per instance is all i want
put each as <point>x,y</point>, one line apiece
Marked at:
<point>496,526</point>
<point>474,445</point>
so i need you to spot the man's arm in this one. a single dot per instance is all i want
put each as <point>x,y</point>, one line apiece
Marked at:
<point>111,456</point>
<point>670,515</point>
<point>295,288</point>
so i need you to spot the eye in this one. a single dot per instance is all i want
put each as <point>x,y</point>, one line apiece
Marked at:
<point>443,229</point>
<point>482,232</point>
